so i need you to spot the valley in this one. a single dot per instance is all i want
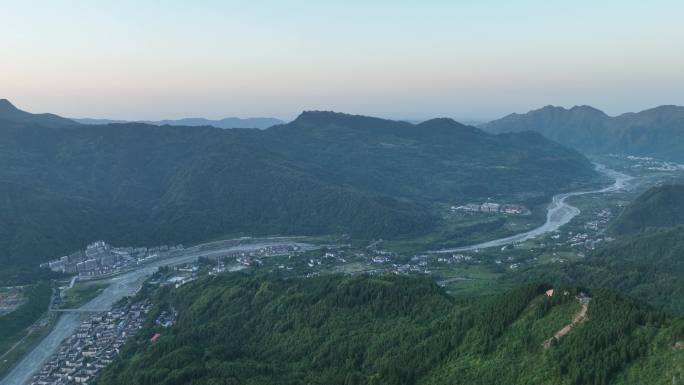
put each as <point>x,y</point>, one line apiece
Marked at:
<point>469,251</point>
<point>341,193</point>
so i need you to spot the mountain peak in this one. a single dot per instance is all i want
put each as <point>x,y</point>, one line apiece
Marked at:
<point>324,118</point>
<point>322,114</point>
<point>11,113</point>
<point>6,105</point>
<point>445,123</point>
<point>440,121</point>
<point>586,108</point>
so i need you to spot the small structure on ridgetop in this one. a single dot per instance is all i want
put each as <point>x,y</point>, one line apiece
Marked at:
<point>155,337</point>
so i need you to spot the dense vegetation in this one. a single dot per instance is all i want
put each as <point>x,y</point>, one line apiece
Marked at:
<point>648,266</point>
<point>240,329</point>
<point>64,185</point>
<point>661,206</point>
<point>658,132</point>
<point>437,160</point>
<point>14,324</point>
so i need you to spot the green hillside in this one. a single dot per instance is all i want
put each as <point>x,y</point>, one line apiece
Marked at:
<point>135,184</point>
<point>437,160</point>
<point>648,266</point>
<point>657,132</point>
<point>238,329</point>
<point>661,206</point>
<point>139,184</point>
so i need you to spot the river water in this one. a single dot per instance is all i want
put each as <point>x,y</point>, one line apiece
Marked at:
<point>559,213</point>
<point>121,286</point>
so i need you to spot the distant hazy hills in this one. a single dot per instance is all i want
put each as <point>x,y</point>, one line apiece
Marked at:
<point>10,115</point>
<point>62,186</point>
<point>193,122</point>
<point>657,132</point>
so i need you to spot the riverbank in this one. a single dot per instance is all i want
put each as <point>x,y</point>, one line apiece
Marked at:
<point>559,213</point>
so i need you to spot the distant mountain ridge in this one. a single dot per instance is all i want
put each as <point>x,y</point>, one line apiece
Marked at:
<point>436,160</point>
<point>657,132</point>
<point>9,114</point>
<point>225,123</point>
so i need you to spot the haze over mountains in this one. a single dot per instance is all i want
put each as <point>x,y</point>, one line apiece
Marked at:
<point>65,184</point>
<point>193,122</point>
<point>656,132</point>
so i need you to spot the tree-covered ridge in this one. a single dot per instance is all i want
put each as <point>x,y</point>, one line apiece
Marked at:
<point>657,132</point>
<point>661,206</point>
<point>240,329</point>
<point>135,184</point>
<point>648,266</point>
<point>437,160</point>
<point>10,115</point>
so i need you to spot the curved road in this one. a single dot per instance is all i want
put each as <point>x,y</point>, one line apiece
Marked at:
<point>121,286</point>
<point>559,213</point>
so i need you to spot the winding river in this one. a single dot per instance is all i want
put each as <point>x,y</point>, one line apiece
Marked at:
<point>559,213</point>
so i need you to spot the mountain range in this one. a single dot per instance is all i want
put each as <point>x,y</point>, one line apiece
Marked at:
<point>657,132</point>
<point>65,184</point>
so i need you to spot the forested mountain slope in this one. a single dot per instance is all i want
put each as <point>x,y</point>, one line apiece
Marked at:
<point>437,160</point>
<point>648,266</point>
<point>240,329</point>
<point>138,184</point>
<point>661,206</point>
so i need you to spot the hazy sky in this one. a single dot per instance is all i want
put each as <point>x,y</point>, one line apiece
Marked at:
<point>475,59</point>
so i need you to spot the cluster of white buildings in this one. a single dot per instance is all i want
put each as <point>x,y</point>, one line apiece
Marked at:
<point>491,207</point>
<point>94,346</point>
<point>101,258</point>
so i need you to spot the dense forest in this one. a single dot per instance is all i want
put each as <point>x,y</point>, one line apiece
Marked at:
<point>661,206</point>
<point>261,329</point>
<point>63,184</point>
<point>657,132</point>
<point>437,160</point>
<point>648,266</point>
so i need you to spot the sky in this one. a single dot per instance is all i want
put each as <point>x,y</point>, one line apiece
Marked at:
<point>469,60</point>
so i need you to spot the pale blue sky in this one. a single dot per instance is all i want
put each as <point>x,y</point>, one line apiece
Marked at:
<point>464,59</point>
